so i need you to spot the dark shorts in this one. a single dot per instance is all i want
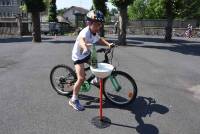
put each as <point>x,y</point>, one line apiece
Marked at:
<point>84,60</point>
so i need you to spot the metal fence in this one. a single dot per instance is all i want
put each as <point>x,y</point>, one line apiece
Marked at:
<point>162,23</point>
<point>155,27</point>
<point>8,30</point>
<point>10,27</point>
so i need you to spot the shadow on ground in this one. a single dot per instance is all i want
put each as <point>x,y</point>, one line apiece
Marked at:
<point>187,49</point>
<point>141,40</point>
<point>22,39</point>
<point>61,41</point>
<point>160,40</point>
<point>141,108</point>
<point>129,42</point>
<point>182,46</point>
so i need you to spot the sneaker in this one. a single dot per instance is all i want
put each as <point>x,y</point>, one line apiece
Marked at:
<point>76,105</point>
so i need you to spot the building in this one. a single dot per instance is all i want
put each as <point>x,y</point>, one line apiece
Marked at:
<point>76,16</point>
<point>12,20</point>
<point>10,8</point>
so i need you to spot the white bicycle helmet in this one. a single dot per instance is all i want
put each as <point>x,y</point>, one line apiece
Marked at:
<point>95,15</point>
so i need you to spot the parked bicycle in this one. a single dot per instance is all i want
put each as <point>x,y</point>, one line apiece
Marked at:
<point>119,88</point>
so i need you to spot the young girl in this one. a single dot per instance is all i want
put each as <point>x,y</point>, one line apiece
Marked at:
<point>81,52</point>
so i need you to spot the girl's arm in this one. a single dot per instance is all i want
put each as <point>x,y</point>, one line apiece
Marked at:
<point>83,43</point>
<point>102,41</point>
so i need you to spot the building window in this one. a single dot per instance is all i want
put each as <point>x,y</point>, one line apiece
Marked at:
<point>12,2</point>
<point>3,3</point>
<point>24,15</point>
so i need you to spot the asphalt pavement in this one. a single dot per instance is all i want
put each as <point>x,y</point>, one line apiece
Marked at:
<point>167,76</point>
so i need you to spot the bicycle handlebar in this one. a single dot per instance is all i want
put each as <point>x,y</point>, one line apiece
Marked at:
<point>106,51</point>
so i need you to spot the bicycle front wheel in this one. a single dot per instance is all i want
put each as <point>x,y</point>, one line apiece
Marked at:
<point>62,79</point>
<point>120,88</point>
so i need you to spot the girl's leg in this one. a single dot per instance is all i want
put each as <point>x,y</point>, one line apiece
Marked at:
<point>74,102</point>
<point>80,72</point>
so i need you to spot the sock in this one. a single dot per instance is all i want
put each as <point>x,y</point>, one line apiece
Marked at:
<point>95,80</point>
<point>74,97</point>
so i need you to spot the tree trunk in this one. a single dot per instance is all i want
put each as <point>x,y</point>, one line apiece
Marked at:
<point>36,27</point>
<point>123,17</point>
<point>169,14</point>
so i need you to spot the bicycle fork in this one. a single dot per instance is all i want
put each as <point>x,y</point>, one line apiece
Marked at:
<point>115,83</point>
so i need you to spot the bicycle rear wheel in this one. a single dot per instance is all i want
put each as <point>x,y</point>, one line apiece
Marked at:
<point>120,88</point>
<point>62,79</point>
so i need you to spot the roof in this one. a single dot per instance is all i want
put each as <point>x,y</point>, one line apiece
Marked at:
<point>78,10</point>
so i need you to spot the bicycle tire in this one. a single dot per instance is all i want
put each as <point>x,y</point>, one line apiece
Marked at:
<point>64,83</point>
<point>125,95</point>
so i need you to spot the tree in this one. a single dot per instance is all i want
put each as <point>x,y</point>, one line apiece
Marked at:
<point>52,14</point>
<point>123,18</point>
<point>137,10</point>
<point>155,9</point>
<point>173,9</point>
<point>143,9</point>
<point>184,9</point>
<point>35,7</point>
<point>190,9</point>
<point>170,16</point>
<point>47,3</point>
<point>61,12</point>
<point>113,11</point>
<point>101,6</point>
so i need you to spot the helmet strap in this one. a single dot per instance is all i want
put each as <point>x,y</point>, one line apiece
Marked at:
<point>92,32</point>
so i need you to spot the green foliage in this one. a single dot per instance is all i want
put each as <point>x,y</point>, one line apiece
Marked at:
<point>143,9</point>
<point>61,12</point>
<point>121,3</point>
<point>35,5</point>
<point>155,9</point>
<point>113,11</point>
<point>109,14</point>
<point>23,8</point>
<point>185,9</point>
<point>189,9</point>
<point>47,3</point>
<point>100,5</point>
<point>52,14</point>
<point>137,10</point>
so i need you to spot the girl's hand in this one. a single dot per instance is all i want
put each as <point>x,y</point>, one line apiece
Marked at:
<point>89,44</point>
<point>111,45</point>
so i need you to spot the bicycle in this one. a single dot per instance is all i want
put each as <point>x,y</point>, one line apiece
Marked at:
<point>119,88</point>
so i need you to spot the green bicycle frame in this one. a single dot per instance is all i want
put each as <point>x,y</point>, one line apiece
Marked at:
<point>115,83</point>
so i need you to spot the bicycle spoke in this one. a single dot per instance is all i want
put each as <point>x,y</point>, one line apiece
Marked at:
<point>62,79</point>
<point>120,88</point>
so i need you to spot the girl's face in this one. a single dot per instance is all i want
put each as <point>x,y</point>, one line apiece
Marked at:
<point>95,27</point>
